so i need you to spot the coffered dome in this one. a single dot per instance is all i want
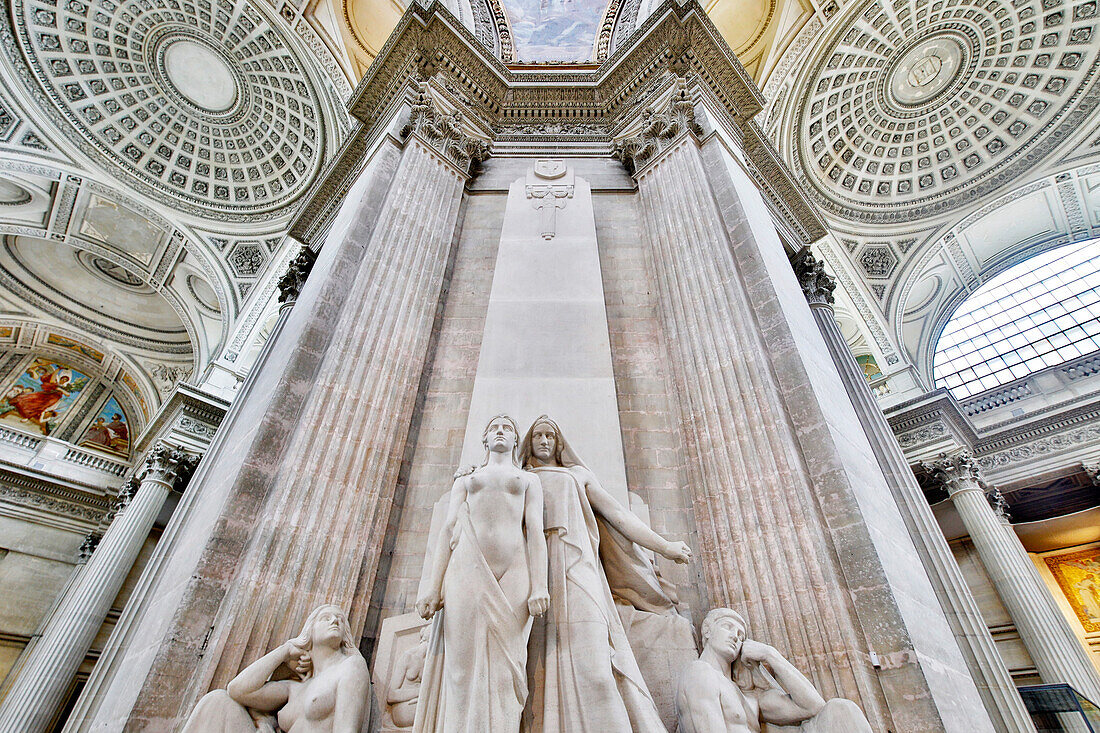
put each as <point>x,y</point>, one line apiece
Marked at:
<point>915,105</point>
<point>201,103</point>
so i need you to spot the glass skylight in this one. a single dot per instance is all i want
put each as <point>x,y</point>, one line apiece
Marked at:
<point>1040,313</point>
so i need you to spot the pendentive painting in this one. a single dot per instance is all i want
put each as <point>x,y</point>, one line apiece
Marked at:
<point>1078,575</point>
<point>109,431</point>
<point>41,395</point>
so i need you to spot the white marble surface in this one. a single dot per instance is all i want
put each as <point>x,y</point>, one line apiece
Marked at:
<point>546,348</point>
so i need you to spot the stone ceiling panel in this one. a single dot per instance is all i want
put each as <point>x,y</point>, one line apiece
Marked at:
<point>911,108</point>
<point>201,104</point>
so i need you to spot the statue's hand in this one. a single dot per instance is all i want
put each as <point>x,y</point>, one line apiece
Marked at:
<point>427,605</point>
<point>756,651</point>
<point>538,602</point>
<point>298,659</point>
<point>678,551</point>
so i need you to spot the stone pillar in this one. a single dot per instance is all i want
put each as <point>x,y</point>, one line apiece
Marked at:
<point>1058,655</point>
<point>1004,705</point>
<point>761,546</point>
<point>308,526</point>
<point>39,690</point>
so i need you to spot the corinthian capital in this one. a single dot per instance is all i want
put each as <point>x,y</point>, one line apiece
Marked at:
<point>659,129</point>
<point>954,472</point>
<point>443,131</point>
<point>290,284</point>
<point>169,465</point>
<point>817,285</point>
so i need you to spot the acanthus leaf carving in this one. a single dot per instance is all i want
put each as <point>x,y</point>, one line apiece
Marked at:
<point>443,131</point>
<point>659,130</point>
<point>297,271</point>
<point>817,285</point>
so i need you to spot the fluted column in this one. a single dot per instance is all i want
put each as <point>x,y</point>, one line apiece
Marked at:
<point>1058,655</point>
<point>321,531</point>
<point>38,692</point>
<point>762,547</point>
<point>1002,702</point>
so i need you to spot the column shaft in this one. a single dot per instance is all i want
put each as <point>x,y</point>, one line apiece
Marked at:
<point>38,692</point>
<point>1050,641</point>
<point>1004,705</point>
<point>322,530</point>
<point>762,545</point>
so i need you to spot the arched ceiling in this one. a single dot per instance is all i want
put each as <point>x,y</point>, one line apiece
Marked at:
<point>200,104</point>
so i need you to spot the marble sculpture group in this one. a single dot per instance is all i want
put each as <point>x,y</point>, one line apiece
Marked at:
<point>524,586</point>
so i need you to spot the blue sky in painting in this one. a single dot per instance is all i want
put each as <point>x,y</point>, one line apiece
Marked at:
<point>554,30</point>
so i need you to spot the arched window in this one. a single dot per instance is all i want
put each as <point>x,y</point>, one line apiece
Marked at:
<point>1040,313</point>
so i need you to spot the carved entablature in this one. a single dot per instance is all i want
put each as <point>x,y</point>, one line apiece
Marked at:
<point>290,284</point>
<point>817,285</point>
<point>589,106</point>
<point>443,131</point>
<point>660,130</point>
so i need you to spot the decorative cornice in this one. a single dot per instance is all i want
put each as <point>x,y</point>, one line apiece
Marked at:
<point>290,284</point>
<point>443,131</point>
<point>659,130</point>
<point>817,285</point>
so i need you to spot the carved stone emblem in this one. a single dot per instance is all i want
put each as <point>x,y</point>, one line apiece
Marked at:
<point>549,186</point>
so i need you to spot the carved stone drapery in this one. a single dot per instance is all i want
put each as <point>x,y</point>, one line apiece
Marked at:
<point>817,285</point>
<point>290,284</point>
<point>443,131</point>
<point>1058,655</point>
<point>659,130</point>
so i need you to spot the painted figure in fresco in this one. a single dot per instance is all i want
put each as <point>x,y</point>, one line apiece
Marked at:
<point>738,684</point>
<point>408,674</point>
<point>31,406</point>
<point>328,693</point>
<point>99,433</point>
<point>590,679</point>
<point>488,575</point>
<point>118,428</point>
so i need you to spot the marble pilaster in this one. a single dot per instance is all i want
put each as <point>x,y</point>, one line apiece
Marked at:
<point>761,546</point>
<point>1058,655</point>
<point>1002,702</point>
<point>45,675</point>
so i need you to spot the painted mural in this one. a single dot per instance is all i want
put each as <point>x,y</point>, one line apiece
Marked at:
<point>554,30</point>
<point>869,366</point>
<point>41,396</point>
<point>1078,575</point>
<point>109,431</point>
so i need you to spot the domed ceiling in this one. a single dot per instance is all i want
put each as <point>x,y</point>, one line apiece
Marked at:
<point>93,292</point>
<point>198,103</point>
<point>915,107</point>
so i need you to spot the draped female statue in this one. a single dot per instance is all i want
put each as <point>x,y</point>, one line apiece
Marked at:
<point>588,677</point>
<point>488,575</point>
<point>328,693</point>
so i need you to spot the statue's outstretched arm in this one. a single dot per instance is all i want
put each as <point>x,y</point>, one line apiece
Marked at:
<point>629,525</point>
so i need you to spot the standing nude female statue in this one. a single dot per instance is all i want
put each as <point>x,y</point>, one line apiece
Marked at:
<point>488,576</point>
<point>331,695</point>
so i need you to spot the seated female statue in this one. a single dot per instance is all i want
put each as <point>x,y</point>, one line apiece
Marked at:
<point>331,694</point>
